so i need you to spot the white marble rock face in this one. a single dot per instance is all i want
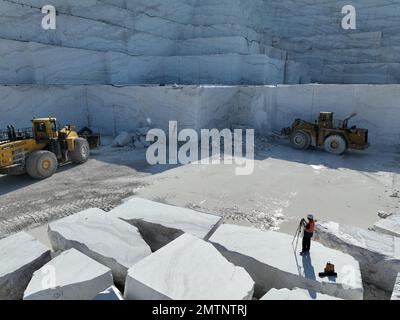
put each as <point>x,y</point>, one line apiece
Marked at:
<point>272,261</point>
<point>160,223</point>
<point>389,226</point>
<point>110,294</point>
<point>108,240</point>
<point>296,294</point>
<point>264,108</point>
<point>20,256</point>
<point>378,254</point>
<point>69,276</point>
<point>151,29</point>
<point>187,269</point>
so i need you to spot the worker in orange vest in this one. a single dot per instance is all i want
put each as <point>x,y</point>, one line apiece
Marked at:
<point>309,228</point>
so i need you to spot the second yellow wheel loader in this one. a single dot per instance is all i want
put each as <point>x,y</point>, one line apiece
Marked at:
<point>336,139</point>
<point>40,150</point>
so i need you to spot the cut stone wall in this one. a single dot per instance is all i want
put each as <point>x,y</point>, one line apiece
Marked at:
<point>112,109</point>
<point>130,39</point>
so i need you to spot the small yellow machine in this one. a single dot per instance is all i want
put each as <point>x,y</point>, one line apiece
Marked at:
<point>39,150</point>
<point>335,138</point>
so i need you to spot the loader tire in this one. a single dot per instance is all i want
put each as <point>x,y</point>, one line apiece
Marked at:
<point>41,164</point>
<point>300,140</point>
<point>81,151</point>
<point>335,144</point>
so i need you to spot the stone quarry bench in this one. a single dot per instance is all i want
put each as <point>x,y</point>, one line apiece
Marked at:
<point>106,239</point>
<point>272,262</point>
<point>160,224</point>
<point>389,226</point>
<point>296,294</point>
<point>20,256</point>
<point>69,276</point>
<point>187,269</point>
<point>378,254</point>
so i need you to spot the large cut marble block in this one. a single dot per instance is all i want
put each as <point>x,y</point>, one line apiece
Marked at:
<point>390,225</point>
<point>69,276</point>
<point>378,254</point>
<point>160,223</point>
<point>20,256</point>
<point>108,240</point>
<point>396,289</point>
<point>296,294</point>
<point>187,269</point>
<point>273,262</point>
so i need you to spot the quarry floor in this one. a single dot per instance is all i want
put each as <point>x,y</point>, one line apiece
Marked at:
<point>286,185</point>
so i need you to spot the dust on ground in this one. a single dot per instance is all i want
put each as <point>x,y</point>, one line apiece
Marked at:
<point>286,185</point>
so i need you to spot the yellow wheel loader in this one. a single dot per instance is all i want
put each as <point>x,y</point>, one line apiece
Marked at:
<point>38,151</point>
<point>335,138</point>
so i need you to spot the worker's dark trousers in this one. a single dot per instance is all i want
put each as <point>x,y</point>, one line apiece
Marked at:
<point>307,241</point>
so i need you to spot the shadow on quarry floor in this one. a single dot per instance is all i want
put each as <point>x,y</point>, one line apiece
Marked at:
<point>375,159</point>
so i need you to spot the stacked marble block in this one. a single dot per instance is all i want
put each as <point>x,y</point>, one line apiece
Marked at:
<point>144,52</point>
<point>151,250</point>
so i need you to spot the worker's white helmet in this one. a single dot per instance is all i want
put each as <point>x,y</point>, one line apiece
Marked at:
<point>310,217</point>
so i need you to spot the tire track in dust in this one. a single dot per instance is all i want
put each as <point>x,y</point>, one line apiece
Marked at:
<point>39,217</point>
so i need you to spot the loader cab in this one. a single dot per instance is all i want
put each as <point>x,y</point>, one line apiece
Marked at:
<point>326,120</point>
<point>44,129</point>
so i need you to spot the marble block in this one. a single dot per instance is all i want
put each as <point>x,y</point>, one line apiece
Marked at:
<point>187,269</point>
<point>108,240</point>
<point>20,256</point>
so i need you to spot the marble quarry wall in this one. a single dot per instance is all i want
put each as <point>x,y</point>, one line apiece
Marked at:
<point>112,109</point>
<point>226,42</point>
<point>106,58</point>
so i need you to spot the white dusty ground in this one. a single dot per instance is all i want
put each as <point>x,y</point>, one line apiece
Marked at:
<point>286,185</point>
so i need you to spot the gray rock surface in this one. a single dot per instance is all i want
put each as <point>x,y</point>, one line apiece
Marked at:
<point>378,254</point>
<point>69,276</point>
<point>110,241</point>
<point>20,256</point>
<point>187,269</point>
<point>160,224</point>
